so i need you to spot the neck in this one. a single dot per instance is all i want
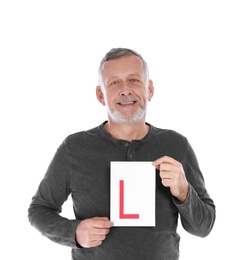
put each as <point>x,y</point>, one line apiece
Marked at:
<point>127,131</point>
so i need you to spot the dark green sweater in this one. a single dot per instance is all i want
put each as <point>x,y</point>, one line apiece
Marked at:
<point>81,168</point>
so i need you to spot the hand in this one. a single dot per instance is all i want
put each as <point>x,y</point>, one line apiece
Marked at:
<point>173,176</point>
<point>91,232</point>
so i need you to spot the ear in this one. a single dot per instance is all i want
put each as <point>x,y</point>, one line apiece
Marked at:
<point>150,90</point>
<point>100,95</point>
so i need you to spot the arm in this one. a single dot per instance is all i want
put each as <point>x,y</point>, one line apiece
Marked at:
<point>197,216</point>
<point>198,211</point>
<point>186,183</point>
<point>46,204</point>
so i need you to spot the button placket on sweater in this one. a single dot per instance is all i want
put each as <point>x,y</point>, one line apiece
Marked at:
<point>131,150</point>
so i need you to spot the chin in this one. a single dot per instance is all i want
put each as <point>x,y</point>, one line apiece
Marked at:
<point>135,119</point>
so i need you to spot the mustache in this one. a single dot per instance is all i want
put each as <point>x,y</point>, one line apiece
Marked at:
<point>126,99</point>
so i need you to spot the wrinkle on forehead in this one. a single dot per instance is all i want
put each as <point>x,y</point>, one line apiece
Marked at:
<point>124,66</point>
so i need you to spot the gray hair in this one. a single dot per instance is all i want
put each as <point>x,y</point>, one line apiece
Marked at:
<point>119,52</point>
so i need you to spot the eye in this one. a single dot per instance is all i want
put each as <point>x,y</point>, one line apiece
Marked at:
<point>134,80</point>
<point>115,82</point>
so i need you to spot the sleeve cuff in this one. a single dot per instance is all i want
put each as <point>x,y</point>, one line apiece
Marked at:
<point>187,201</point>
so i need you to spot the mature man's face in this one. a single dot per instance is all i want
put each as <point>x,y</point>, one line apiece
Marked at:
<point>125,89</point>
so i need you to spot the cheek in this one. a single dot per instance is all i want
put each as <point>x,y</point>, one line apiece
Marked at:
<point>108,99</point>
<point>144,95</point>
<point>111,95</point>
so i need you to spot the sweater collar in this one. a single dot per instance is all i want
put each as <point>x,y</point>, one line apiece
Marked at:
<point>108,135</point>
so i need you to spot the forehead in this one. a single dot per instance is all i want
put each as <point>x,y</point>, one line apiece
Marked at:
<point>123,64</point>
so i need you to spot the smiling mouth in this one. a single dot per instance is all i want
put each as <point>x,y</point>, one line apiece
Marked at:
<point>126,103</point>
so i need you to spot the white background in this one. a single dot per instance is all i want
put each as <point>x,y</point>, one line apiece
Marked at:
<point>49,55</point>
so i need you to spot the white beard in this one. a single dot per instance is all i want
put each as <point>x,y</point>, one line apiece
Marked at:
<point>125,119</point>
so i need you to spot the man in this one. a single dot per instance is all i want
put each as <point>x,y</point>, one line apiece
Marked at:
<point>81,167</point>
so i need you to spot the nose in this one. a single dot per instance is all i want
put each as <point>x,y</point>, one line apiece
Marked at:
<point>125,90</point>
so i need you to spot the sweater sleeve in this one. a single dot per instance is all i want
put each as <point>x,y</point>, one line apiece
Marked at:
<point>46,204</point>
<point>197,213</point>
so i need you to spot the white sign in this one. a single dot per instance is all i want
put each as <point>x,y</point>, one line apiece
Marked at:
<point>133,193</point>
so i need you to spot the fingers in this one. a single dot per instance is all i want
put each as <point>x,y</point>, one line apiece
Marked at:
<point>173,176</point>
<point>91,232</point>
<point>168,170</point>
<point>164,159</point>
<point>166,165</point>
<point>102,222</point>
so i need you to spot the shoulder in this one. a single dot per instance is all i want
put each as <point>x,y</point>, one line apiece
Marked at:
<point>82,137</point>
<point>170,142</point>
<point>169,134</point>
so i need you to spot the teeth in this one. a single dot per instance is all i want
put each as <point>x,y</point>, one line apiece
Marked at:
<point>127,103</point>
